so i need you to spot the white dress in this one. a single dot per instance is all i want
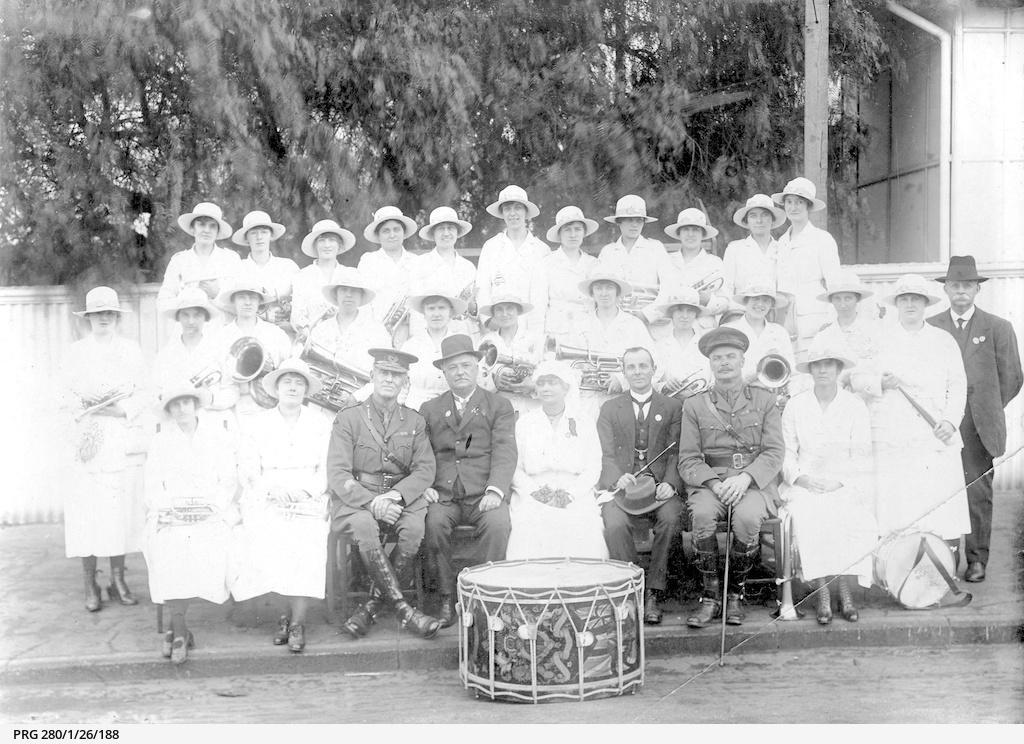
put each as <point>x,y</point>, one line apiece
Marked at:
<point>860,340</point>
<point>744,260</point>
<point>505,269</point>
<point>688,272</point>
<point>564,303</point>
<point>680,361</point>
<point>646,266</point>
<point>192,559</point>
<point>283,550</point>
<point>806,263</point>
<point>920,480</point>
<point>276,346</point>
<point>425,380</point>
<point>102,515</point>
<point>454,275</point>
<point>308,301</point>
<point>566,456</point>
<point>610,338</point>
<point>527,347</point>
<point>835,532</point>
<point>391,279</point>
<point>175,362</point>
<point>187,269</point>
<point>275,275</point>
<point>772,337</point>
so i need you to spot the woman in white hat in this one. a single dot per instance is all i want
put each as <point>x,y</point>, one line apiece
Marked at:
<point>191,479</point>
<point>257,232</point>
<point>242,298</point>
<point>563,270</point>
<point>553,507</point>
<point>519,350</point>
<point>679,359</point>
<point>917,463</point>
<point>390,270</point>
<point>808,258</point>
<point>759,298</point>
<point>435,307</point>
<point>103,383</point>
<point>641,261</point>
<point>324,243</point>
<point>827,481</point>
<point>442,267</point>
<point>758,253</point>
<point>856,326</point>
<point>205,265</point>
<point>696,267</point>
<point>284,502</point>
<point>510,261</point>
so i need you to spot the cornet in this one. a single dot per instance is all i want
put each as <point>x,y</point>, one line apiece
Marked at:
<point>710,283</point>
<point>396,314</point>
<point>492,361</point>
<point>693,384</point>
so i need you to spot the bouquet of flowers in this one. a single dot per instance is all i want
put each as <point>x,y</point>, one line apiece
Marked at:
<point>558,498</point>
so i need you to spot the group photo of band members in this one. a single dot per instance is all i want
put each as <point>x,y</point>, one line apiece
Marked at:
<point>557,397</point>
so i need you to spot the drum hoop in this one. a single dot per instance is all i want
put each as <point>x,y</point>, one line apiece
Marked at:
<point>635,576</point>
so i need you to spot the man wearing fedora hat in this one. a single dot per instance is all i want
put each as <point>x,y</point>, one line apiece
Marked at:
<point>472,433</point>
<point>205,265</point>
<point>378,465</point>
<point>634,427</point>
<point>992,362</point>
<point>730,457</point>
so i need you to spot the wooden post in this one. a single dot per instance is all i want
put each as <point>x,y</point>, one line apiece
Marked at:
<point>816,101</point>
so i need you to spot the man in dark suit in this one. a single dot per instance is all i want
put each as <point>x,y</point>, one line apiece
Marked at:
<point>992,363</point>
<point>472,433</point>
<point>634,427</point>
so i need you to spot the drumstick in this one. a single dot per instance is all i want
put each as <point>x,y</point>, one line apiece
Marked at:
<point>921,410</point>
<point>656,458</point>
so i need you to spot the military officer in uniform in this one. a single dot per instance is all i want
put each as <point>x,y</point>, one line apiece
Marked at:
<point>730,455</point>
<point>379,462</point>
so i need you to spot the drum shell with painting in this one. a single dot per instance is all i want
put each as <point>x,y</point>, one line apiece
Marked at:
<point>553,628</point>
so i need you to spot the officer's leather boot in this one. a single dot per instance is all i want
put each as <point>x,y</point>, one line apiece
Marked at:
<point>741,560</point>
<point>706,550</point>
<point>383,575</point>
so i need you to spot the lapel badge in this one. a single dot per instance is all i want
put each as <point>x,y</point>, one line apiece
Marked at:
<point>657,417</point>
<point>447,414</point>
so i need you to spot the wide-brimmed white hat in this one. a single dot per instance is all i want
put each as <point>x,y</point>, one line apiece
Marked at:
<point>348,240</point>
<point>244,283</point>
<point>100,300</point>
<point>691,217</point>
<point>602,274</point>
<point>257,219</point>
<point>499,299</point>
<point>759,201</point>
<point>384,214</point>
<point>191,297</point>
<point>844,281</point>
<point>800,187</point>
<point>346,276</point>
<point>516,194</point>
<point>183,389</point>
<point>415,302</point>
<point>685,296</point>
<point>566,215</point>
<point>630,205</point>
<point>824,349</point>
<point>295,366</point>
<point>205,209</point>
<point>441,215</point>
<point>914,284</point>
<point>761,286</point>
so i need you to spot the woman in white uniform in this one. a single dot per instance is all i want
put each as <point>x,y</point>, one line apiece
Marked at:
<point>679,361</point>
<point>562,272</point>
<point>437,308</point>
<point>191,487</point>
<point>827,481</point>
<point>325,242</point>
<point>205,265</point>
<point>443,268</point>
<point>390,270</point>
<point>920,479</point>
<point>284,502</point>
<point>275,273</point>
<point>758,299</point>
<point>553,507</point>
<point>103,387</point>
<point>856,327</point>
<point>519,350</point>
<point>695,267</point>
<point>758,253</point>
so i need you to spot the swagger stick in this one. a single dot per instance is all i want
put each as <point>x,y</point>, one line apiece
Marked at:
<point>725,581</point>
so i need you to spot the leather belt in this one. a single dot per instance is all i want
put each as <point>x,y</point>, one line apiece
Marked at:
<point>737,460</point>
<point>382,481</point>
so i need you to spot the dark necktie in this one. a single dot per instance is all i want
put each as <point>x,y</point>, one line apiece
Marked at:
<point>641,417</point>
<point>961,324</point>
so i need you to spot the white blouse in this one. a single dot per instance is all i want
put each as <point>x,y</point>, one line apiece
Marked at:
<point>187,269</point>
<point>832,443</point>
<point>773,339</point>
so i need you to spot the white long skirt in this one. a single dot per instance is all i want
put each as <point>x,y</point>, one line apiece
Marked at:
<point>101,514</point>
<point>542,531</point>
<point>920,488</point>
<point>835,533</point>
<point>280,554</point>
<point>187,561</point>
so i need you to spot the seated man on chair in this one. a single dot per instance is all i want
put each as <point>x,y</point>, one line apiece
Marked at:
<point>378,464</point>
<point>634,427</point>
<point>730,456</point>
<point>472,432</point>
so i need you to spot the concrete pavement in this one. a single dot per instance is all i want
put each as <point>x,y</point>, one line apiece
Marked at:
<point>49,635</point>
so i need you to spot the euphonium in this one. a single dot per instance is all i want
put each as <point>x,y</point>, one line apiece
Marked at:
<point>338,381</point>
<point>492,361</point>
<point>693,384</point>
<point>596,368</point>
<point>773,371</point>
<point>249,362</point>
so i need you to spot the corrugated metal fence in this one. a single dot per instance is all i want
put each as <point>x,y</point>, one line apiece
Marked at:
<point>36,326</point>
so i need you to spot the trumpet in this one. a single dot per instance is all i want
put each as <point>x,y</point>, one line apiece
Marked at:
<point>595,368</point>
<point>693,384</point>
<point>493,362</point>
<point>710,283</point>
<point>249,362</point>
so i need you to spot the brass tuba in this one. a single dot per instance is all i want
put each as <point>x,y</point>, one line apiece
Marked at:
<point>338,381</point>
<point>493,361</point>
<point>249,362</point>
<point>595,367</point>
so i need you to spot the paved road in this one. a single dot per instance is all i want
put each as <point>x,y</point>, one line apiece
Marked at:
<point>960,684</point>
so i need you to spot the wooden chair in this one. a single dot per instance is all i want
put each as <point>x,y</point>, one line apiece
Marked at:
<point>338,595</point>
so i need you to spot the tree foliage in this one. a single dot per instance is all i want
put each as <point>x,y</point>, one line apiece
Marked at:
<point>314,108</point>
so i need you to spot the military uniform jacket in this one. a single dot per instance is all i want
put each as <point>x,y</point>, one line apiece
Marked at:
<point>753,415</point>
<point>480,450</point>
<point>353,450</point>
<point>616,426</point>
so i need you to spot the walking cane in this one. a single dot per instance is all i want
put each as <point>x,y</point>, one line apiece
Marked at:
<point>725,581</point>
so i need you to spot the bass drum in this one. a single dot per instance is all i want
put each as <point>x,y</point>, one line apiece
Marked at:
<point>917,569</point>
